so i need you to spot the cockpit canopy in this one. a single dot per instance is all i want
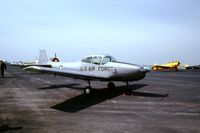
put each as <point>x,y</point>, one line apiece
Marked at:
<point>98,59</point>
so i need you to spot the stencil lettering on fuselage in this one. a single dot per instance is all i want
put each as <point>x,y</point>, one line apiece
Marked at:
<point>99,68</point>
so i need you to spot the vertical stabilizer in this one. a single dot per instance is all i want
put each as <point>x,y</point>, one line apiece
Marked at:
<point>42,58</point>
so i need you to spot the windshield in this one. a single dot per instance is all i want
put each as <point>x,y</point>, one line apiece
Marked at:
<point>97,60</point>
<point>107,59</point>
<point>87,59</point>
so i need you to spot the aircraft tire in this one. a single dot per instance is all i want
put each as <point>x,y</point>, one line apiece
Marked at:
<point>111,85</point>
<point>128,91</point>
<point>88,90</point>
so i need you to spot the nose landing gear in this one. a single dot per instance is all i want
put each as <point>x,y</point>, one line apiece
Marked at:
<point>128,91</point>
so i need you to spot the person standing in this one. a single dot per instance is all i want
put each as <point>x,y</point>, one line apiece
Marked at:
<point>3,67</point>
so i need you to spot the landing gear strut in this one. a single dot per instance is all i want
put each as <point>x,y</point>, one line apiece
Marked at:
<point>88,89</point>
<point>128,90</point>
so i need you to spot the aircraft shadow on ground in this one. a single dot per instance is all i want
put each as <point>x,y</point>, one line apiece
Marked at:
<point>6,128</point>
<point>83,101</point>
<point>60,86</point>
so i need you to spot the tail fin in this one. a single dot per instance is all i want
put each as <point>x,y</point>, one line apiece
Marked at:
<point>42,58</point>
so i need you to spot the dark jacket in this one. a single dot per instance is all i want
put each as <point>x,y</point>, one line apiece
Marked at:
<point>3,66</point>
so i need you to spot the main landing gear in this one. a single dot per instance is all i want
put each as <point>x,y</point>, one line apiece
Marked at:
<point>111,85</point>
<point>128,91</point>
<point>88,90</point>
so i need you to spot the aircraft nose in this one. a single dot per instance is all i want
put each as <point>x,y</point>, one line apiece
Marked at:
<point>137,69</point>
<point>132,72</point>
<point>139,73</point>
<point>145,69</point>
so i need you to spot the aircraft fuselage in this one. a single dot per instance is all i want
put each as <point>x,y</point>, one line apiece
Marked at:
<point>112,71</point>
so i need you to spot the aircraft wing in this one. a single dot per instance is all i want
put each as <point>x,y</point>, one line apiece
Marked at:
<point>27,65</point>
<point>40,65</point>
<point>66,73</point>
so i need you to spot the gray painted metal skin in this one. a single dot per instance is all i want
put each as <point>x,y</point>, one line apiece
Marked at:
<point>95,67</point>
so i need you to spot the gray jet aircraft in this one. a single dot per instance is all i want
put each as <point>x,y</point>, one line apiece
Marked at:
<point>96,67</point>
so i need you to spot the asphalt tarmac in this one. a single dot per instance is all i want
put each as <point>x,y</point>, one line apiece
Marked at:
<point>163,102</point>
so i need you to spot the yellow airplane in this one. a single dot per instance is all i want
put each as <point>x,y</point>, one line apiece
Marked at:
<point>172,66</point>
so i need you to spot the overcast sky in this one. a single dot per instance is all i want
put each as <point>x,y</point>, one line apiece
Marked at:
<point>136,31</point>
